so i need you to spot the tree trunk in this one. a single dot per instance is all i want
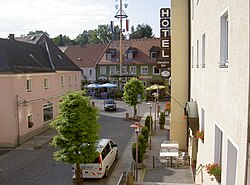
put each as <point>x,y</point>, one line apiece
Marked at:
<point>78,174</point>
<point>135,112</point>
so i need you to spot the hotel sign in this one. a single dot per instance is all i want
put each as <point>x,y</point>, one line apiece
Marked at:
<point>164,61</point>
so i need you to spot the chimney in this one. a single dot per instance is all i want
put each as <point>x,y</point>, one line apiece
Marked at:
<point>11,36</point>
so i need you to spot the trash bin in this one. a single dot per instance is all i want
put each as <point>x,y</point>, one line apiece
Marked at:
<point>127,116</point>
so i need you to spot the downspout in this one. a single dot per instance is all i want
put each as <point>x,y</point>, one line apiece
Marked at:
<point>17,115</point>
<point>248,122</point>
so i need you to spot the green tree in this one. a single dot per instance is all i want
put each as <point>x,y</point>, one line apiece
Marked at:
<point>83,38</point>
<point>77,126</point>
<point>63,40</point>
<point>141,31</point>
<point>132,89</point>
<point>37,32</point>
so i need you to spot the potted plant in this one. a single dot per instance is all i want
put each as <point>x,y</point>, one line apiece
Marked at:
<point>214,169</point>
<point>162,120</point>
<point>200,135</point>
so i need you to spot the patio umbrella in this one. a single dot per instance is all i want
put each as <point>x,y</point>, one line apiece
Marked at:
<point>108,85</point>
<point>155,87</point>
<point>92,86</point>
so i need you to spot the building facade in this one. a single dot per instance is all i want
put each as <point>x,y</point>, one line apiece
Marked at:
<point>33,79</point>
<point>220,87</point>
<point>138,60</point>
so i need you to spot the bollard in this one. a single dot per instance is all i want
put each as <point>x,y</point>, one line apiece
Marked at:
<point>153,161</point>
<point>127,116</point>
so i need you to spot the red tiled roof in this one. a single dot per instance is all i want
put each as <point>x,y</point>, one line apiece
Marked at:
<point>86,55</point>
<point>142,55</point>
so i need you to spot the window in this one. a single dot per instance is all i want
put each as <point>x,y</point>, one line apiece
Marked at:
<point>197,52</point>
<point>156,71</point>
<point>90,72</point>
<point>202,123</point>
<point>62,80</point>
<point>47,112</point>
<point>30,123</point>
<point>124,70</point>
<point>102,70</point>
<point>130,55</point>
<point>153,55</point>
<point>203,50</point>
<point>28,85</point>
<point>224,40</point>
<point>232,158</point>
<point>132,69</point>
<point>75,79</point>
<point>109,56</point>
<point>46,83</point>
<point>218,145</point>
<point>192,56</point>
<point>112,70</point>
<point>69,80</point>
<point>144,70</point>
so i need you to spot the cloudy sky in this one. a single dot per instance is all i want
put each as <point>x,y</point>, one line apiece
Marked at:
<point>71,17</point>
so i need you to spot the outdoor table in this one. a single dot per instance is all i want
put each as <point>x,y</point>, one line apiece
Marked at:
<point>169,150</point>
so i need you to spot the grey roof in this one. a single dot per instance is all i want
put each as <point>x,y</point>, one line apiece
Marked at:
<point>22,57</point>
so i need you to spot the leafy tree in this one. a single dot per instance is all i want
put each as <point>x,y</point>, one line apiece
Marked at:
<point>131,90</point>
<point>83,38</point>
<point>141,31</point>
<point>77,127</point>
<point>62,40</point>
<point>37,32</point>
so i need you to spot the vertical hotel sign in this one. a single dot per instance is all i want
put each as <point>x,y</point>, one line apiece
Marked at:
<point>164,61</point>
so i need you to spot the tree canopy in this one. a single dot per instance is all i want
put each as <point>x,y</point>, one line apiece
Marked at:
<point>132,89</point>
<point>141,31</point>
<point>77,126</point>
<point>103,34</point>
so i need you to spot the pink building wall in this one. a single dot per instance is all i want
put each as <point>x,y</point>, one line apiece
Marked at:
<point>17,103</point>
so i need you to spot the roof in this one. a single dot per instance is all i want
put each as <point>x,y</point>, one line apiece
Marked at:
<point>22,57</point>
<point>85,55</point>
<point>142,47</point>
<point>33,39</point>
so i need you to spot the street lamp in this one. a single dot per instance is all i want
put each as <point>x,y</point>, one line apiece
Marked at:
<point>156,97</point>
<point>136,126</point>
<point>150,124</point>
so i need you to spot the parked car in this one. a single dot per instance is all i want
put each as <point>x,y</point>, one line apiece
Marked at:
<point>109,104</point>
<point>108,153</point>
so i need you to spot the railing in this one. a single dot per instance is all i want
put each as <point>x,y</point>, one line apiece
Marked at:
<point>124,175</point>
<point>199,169</point>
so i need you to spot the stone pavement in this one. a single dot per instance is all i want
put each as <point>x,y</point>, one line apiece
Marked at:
<point>153,172</point>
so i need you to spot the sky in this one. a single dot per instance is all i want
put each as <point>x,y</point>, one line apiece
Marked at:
<point>72,17</point>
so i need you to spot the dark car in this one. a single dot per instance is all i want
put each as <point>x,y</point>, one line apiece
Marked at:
<point>109,104</point>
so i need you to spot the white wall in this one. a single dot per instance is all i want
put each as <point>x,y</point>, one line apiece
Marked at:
<point>222,92</point>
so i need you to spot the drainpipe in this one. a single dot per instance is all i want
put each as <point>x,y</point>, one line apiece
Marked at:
<point>247,175</point>
<point>17,113</point>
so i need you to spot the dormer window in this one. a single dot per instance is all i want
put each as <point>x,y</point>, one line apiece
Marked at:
<point>153,55</point>
<point>131,53</point>
<point>154,52</point>
<point>110,53</point>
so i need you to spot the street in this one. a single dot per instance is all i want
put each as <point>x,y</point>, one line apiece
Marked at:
<point>37,167</point>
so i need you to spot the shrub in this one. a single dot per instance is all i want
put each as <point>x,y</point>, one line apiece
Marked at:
<point>147,122</point>
<point>140,152</point>
<point>143,143</point>
<point>162,120</point>
<point>145,133</point>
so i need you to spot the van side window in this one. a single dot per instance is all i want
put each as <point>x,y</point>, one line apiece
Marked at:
<point>105,151</point>
<point>112,144</point>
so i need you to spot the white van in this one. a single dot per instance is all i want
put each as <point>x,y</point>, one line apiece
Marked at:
<point>108,153</point>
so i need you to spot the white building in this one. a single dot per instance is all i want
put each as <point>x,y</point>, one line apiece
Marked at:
<point>220,86</point>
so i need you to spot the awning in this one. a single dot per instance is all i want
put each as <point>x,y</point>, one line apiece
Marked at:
<point>191,110</point>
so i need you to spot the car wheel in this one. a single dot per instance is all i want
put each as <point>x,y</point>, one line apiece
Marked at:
<point>116,156</point>
<point>106,172</point>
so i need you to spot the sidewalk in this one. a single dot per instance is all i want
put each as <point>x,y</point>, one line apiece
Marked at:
<point>153,172</point>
